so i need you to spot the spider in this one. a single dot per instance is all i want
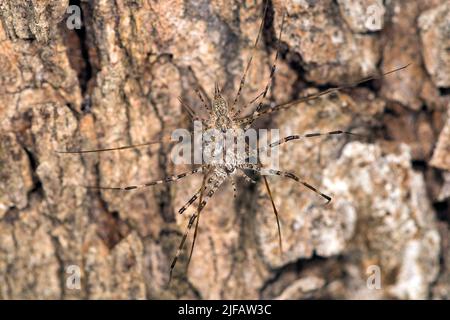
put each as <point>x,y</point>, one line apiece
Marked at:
<point>224,116</point>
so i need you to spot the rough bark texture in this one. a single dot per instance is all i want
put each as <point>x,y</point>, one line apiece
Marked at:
<point>116,81</point>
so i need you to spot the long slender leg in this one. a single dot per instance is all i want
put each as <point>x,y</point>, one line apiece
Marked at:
<point>272,73</point>
<point>200,91</point>
<point>151,183</point>
<point>216,182</point>
<point>308,135</point>
<point>189,226</point>
<point>238,112</point>
<point>181,245</point>
<point>249,119</point>
<point>216,90</point>
<point>275,211</point>
<point>205,105</point>
<point>196,224</point>
<point>162,140</point>
<point>249,62</point>
<point>284,174</point>
<point>189,110</point>
<point>202,204</point>
<point>190,201</point>
<point>194,197</point>
<point>274,64</point>
<point>296,178</point>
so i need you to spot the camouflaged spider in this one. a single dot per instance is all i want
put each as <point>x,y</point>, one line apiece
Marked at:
<point>225,116</point>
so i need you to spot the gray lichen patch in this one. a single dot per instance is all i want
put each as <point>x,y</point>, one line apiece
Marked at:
<point>434,27</point>
<point>32,19</point>
<point>15,174</point>
<point>395,228</point>
<point>441,155</point>
<point>363,16</point>
<point>329,50</point>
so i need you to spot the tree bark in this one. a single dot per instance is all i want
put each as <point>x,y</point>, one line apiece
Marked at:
<point>115,81</point>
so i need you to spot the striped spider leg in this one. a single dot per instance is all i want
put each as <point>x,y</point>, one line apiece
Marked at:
<point>212,180</point>
<point>290,175</point>
<point>150,183</point>
<point>195,216</point>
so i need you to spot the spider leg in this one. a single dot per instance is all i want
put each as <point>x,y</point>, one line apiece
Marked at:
<point>272,73</point>
<point>151,183</point>
<point>191,201</point>
<point>217,182</point>
<point>195,216</point>
<point>181,245</point>
<point>189,226</point>
<point>275,211</point>
<point>205,105</point>
<point>249,62</point>
<point>284,174</point>
<point>308,135</point>
<point>200,91</point>
<point>202,204</point>
<point>162,140</point>
<point>216,90</point>
<point>274,64</point>
<point>296,178</point>
<point>196,224</point>
<point>248,104</point>
<point>249,119</point>
<point>188,108</point>
<point>190,111</point>
<point>193,198</point>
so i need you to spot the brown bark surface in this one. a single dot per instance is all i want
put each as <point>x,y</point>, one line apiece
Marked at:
<point>115,81</point>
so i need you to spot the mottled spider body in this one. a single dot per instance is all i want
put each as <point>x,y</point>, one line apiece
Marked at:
<point>226,158</point>
<point>221,117</point>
